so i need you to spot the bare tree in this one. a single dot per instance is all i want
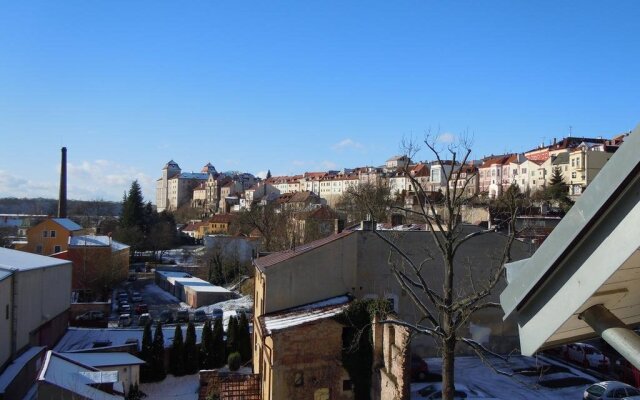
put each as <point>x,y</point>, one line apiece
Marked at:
<point>447,309</point>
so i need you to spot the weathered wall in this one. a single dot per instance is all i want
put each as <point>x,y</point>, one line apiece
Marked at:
<point>307,359</point>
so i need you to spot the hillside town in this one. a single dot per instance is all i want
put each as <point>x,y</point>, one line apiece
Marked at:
<point>337,284</point>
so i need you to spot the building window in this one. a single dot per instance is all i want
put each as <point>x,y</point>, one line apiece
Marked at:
<point>573,175</point>
<point>298,379</point>
<point>45,233</point>
<point>39,249</point>
<point>52,234</point>
<point>56,249</point>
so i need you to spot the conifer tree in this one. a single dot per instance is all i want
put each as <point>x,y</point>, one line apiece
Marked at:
<point>157,357</point>
<point>244,338</point>
<point>205,346</point>
<point>190,350</point>
<point>232,335</point>
<point>176,356</point>
<point>217,345</point>
<point>146,353</point>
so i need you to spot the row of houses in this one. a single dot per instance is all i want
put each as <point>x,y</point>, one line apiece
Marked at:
<point>578,159</point>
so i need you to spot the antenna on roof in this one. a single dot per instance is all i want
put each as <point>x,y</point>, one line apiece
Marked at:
<point>570,130</point>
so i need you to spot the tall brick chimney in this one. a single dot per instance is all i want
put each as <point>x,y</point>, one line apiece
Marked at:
<point>62,197</point>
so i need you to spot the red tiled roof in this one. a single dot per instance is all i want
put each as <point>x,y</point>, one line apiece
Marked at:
<point>272,259</point>
<point>222,218</point>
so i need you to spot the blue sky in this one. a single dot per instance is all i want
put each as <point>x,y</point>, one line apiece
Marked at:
<point>295,86</point>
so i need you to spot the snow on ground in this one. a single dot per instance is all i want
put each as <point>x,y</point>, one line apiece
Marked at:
<point>175,388</point>
<point>245,302</point>
<point>477,376</point>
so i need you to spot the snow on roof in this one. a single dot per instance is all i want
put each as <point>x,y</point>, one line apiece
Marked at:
<point>208,289</point>
<point>104,359</point>
<point>85,338</point>
<point>67,224</point>
<point>92,240</point>
<point>304,314</point>
<point>23,261</point>
<point>173,274</point>
<point>76,377</point>
<point>13,369</point>
<point>4,273</point>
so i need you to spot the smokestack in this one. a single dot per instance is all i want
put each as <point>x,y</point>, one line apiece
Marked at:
<point>62,198</point>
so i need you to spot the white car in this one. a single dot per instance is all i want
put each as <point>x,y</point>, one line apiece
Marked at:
<point>124,320</point>
<point>611,390</point>
<point>586,355</point>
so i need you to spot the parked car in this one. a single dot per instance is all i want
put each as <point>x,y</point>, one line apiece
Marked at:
<point>200,316</point>
<point>124,307</point>
<point>419,369</point>
<point>90,316</point>
<point>182,315</point>
<point>166,317</point>
<point>144,319</point>
<point>124,320</point>
<point>142,308</point>
<point>434,391</point>
<point>610,390</point>
<point>586,355</point>
<point>136,297</point>
<point>217,313</point>
<point>132,276</point>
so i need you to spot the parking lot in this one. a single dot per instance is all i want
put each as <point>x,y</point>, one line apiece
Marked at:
<point>155,298</point>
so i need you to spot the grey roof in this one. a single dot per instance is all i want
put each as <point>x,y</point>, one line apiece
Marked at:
<point>592,245</point>
<point>104,359</point>
<point>562,158</point>
<point>21,260</point>
<point>67,224</point>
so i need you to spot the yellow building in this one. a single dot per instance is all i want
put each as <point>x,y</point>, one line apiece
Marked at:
<point>51,236</point>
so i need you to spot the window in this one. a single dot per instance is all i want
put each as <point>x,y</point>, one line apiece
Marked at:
<point>56,249</point>
<point>52,234</point>
<point>573,175</point>
<point>45,233</point>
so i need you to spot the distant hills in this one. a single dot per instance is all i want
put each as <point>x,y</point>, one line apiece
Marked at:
<point>40,206</point>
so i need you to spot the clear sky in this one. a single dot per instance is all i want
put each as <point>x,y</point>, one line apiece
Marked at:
<point>296,86</point>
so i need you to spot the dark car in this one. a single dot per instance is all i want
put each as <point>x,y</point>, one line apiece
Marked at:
<point>142,308</point>
<point>182,315</point>
<point>166,316</point>
<point>419,369</point>
<point>216,313</point>
<point>200,316</point>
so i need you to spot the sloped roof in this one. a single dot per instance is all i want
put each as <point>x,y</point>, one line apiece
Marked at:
<point>23,261</point>
<point>67,224</point>
<point>304,314</point>
<point>272,259</point>
<point>76,377</point>
<point>591,257</point>
<point>104,359</point>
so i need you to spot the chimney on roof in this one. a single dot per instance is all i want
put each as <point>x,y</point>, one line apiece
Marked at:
<point>554,141</point>
<point>62,197</point>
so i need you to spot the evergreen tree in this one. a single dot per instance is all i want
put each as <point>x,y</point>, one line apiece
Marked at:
<point>268,173</point>
<point>157,358</point>
<point>205,346</point>
<point>244,338</point>
<point>232,335</point>
<point>217,344</point>
<point>176,356</point>
<point>190,350</point>
<point>234,361</point>
<point>133,208</point>
<point>558,190</point>
<point>146,353</point>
